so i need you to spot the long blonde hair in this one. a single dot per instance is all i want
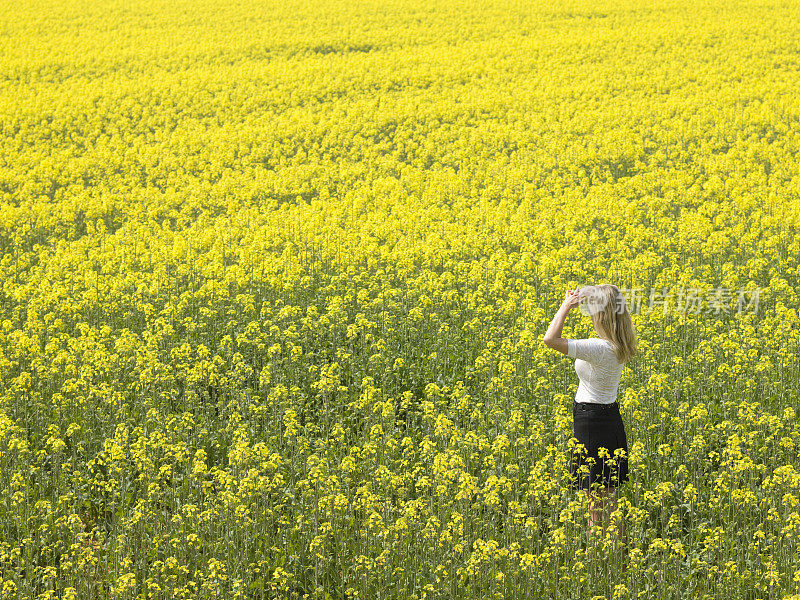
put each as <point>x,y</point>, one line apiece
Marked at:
<point>609,313</point>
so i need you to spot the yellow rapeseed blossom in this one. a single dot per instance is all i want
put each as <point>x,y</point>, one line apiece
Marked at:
<point>274,284</point>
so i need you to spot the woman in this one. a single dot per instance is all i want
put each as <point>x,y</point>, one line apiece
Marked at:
<point>600,463</point>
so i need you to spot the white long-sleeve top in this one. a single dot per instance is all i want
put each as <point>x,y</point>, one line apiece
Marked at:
<point>599,371</point>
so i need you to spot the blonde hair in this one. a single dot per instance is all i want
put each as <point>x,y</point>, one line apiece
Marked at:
<point>609,313</point>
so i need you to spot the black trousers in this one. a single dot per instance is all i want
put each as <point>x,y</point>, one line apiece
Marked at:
<point>600,432</point>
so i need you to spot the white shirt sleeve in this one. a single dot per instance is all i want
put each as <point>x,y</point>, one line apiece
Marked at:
<point>592,350</point>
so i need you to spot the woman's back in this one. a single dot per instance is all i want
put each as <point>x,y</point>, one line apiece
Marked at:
<point>598,368</point>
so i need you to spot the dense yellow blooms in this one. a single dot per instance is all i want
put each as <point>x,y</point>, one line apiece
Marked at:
<point>274,280</point>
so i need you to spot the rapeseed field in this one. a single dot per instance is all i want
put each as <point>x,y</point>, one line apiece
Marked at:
<point>275,278</point>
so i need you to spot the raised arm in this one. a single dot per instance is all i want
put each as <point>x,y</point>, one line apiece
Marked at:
<point>552,338</point>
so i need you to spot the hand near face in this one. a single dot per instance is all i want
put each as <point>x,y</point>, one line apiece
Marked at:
<point>572,300</point>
